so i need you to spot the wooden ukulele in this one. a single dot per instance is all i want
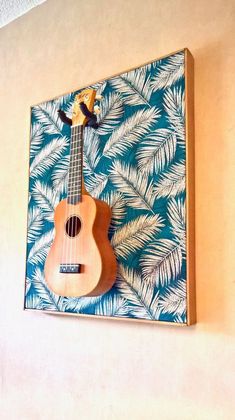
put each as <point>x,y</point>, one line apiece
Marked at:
<point>81,261</point>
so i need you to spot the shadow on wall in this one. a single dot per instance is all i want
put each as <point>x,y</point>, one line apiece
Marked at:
<point>213,277</point>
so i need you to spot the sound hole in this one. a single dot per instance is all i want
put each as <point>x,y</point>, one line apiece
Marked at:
<point>73,226</point>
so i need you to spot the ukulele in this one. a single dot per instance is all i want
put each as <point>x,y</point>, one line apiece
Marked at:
<point>81,261</point>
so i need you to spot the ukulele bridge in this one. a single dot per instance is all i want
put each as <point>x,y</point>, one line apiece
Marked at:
<point>70,268</point>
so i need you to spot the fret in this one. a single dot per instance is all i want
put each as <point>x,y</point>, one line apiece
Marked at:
<point>74,180</point>
<point>73,187</point>
<point>75,166</point>
<point>74,192</point>
<point>74,199</point>
<point>74,174</point>
<point>75,148</point>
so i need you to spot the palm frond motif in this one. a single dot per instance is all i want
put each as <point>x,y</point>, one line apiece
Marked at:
<point>40,249</point>
<point>27,285</point>
<point>134,234</point>
<point>50,301</point>
<point>162,261</point>
<point>172,181</point>
<point>47,115</point>
<point>180,319</point>
<point>157,151</point>
<point>111,113</point>
<point>176,216</point>
<point>142,303</point>
<point>174,105</point>
<point>35,223</point>
<point>96,184</point>
<point>48,156</point>
<point>152,66</point>
<point>91,151</point>
<point>60,175</point>
<point>99,87</point>
<point>80,305</point>
<point>36,138</point>
<point>169,72</point>
<point>173,299</point>
<point>134,86</point>
<point>116,201</point>
<point>64,101</point>
<point>33,301</point>
<point>135,187</point>
<point>130,131</point>
<point>45,198</point>
<point>112,305</point>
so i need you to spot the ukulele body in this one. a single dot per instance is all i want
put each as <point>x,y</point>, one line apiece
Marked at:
<point>81,261</point>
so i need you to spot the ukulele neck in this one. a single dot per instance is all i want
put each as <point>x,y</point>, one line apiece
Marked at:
<point>75,165</point>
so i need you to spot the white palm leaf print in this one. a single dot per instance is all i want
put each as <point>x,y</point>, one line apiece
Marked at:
<point>47,115</point>
<point>180,319</point>
<point>173,300</point>
<point>63,102</point>
<point>112,305</point>
<point>117,203</point>
<point>35,223</point>
<point>172,181</point>
<point>130,131</point>
<point>36,138</point>
<point>91,151</point>
<point>134,234</point>
<point>157,151</point>
<point>33,302</point>
<point>81,304</point>
<point>60,175</point>
<point>50,301</point>
<point>46,199</point>
<point>169,72</point>
<point>162,262</point>
<point>96,184</point>
<point>152,66</point>
<point>136,188</point>
<point>176,216</point>
<point>134,86</point>
<point>111,112</point>
<point>99,87</point>
<point>142,303</point>
<point>174,105</point>
<point>40,249</point>
<point>27,285</point>
<point>48,156</point>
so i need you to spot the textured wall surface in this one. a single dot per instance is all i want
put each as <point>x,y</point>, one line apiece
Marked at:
<point>10,10</point>
<point>73,368</point>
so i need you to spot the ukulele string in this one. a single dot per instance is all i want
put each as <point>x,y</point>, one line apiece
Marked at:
<point>74,220</point>
<point>75,193</point>
<point>67,225</point>
<point>77,189</point>
<point>74,186</point>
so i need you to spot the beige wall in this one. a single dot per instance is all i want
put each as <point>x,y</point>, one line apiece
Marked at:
<point>69,368</point>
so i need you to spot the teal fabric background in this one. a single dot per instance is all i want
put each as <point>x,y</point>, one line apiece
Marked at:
<point>135,162</point>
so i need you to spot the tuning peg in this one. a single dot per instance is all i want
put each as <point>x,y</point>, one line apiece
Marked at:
<point>96,109</point>
<point>99,97</point>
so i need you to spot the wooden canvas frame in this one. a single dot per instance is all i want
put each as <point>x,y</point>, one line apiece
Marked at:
<point>189,206</point>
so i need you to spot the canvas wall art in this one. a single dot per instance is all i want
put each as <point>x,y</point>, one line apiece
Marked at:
<point>140,162</point>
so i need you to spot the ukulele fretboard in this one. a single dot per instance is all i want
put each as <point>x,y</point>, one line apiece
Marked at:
<point>75,165</point>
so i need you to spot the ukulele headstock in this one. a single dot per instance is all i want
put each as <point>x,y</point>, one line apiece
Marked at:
<point>87,96</point>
